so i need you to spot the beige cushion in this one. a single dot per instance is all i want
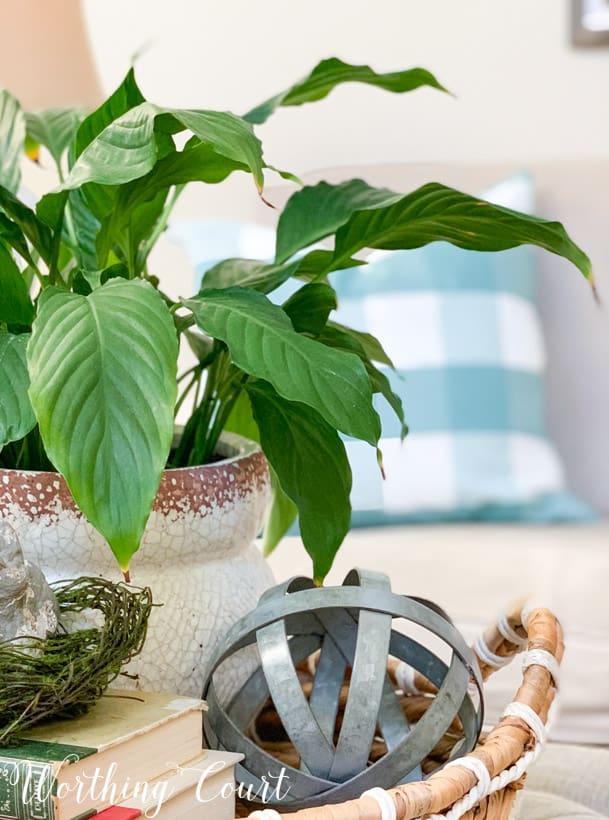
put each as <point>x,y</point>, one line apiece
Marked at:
<point>534,805</point>
<point>475,571</point>
<point>567,782</point>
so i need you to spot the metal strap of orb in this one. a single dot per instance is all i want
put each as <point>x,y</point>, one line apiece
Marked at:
<point>351,625</point>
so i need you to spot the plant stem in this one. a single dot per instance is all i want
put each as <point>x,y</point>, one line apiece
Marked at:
<point>186,373</point>
<point>190,446</point>
<point>206,409</point>
<point>224,383</point>
<point>39,275</point>
<point>223,414</point>
<point>196,377</point>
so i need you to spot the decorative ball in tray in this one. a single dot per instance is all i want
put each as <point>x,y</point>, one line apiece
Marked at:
<point>325,712</point>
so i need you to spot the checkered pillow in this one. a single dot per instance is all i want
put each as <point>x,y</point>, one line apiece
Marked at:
<point>464,334</point>
<point>463,331</point>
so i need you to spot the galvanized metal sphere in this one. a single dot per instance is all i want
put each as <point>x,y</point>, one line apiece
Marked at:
<point>351,628</point>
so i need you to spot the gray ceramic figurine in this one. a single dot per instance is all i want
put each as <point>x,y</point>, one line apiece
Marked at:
<point>28,607</point>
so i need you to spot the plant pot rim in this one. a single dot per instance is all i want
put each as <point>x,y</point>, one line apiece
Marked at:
<point>229,481</point>
<point>231,445</point>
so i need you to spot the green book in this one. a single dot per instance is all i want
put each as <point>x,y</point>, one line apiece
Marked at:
<point>69,769</point>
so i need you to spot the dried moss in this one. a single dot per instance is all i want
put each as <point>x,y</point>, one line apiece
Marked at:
<point>65,674</point>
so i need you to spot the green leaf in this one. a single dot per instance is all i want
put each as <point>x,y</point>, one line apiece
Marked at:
<point>282,511</point>
<point>311,464</point>
<point>126,97</point>
<point>121,133</point>
<point>248,273</point>
<point>139,203</point>
<point>86,228</point>
<point>282,514</point>
<point>381,384</point>
<point>12,140</point>
<point>363,344</point>
<point>16,414</point>
<point>55,128</point>
<point>124,150</point>
<point>316,263</point>
<point>241,419</point>
<point>127,228</point>
<point>79,283</point>
<point>287,175</point>
<point>106,419</point>
<point>340,338</point>
<point>320,210</point>
<point>263,343</point>
<point>99,198</point>
<point>13,236</point>
<point>229,135</point>
<point>332,72</point>
<point>16,307</point>
<point>310,306</point>
<point>51,210</point>
<point>265,277</point>
<point>116,271</point>
<point>127,148</point>
<point>432,213</point>
<point>85,282</point>
<point>373,349</point>
<point>28,223</point>
<point>196,164</point>
<point>436,213</point>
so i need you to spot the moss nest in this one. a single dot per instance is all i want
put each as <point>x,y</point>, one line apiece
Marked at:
<point>64,674</point>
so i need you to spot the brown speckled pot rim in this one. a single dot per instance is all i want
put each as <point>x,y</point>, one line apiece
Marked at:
<point>242,472</point>
<point>239,447</point>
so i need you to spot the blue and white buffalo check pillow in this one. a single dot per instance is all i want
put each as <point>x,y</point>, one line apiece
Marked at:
<point>464,334</point>
<point>463,331</point>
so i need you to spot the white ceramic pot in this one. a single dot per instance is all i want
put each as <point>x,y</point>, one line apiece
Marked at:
<point>198,555</point>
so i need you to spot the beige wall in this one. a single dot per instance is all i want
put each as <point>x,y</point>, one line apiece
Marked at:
<point>522,90</point>
<point>44,54</point>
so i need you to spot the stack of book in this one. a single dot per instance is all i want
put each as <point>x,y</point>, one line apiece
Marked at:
<point>134,754</point>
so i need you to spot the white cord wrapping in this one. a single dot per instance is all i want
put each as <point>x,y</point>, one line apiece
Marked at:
<point>504,778</point>
<point>488,657</point>
<point>509,633</point>
<point>384,801</point>
<point>507,776</point>
<point>531,718</point>
<point>478,768</point>
<point>475,794</point>
<point>541,657</point>
<point>404,677</point>
<point>499,782</point>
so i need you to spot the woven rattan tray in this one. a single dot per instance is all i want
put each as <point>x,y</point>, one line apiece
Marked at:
<point>483,784</point>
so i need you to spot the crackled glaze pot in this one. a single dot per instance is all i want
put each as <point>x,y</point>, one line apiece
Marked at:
<point>198,556</point>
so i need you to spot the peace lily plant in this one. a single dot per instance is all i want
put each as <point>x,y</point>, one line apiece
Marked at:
<point>89,341</point>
